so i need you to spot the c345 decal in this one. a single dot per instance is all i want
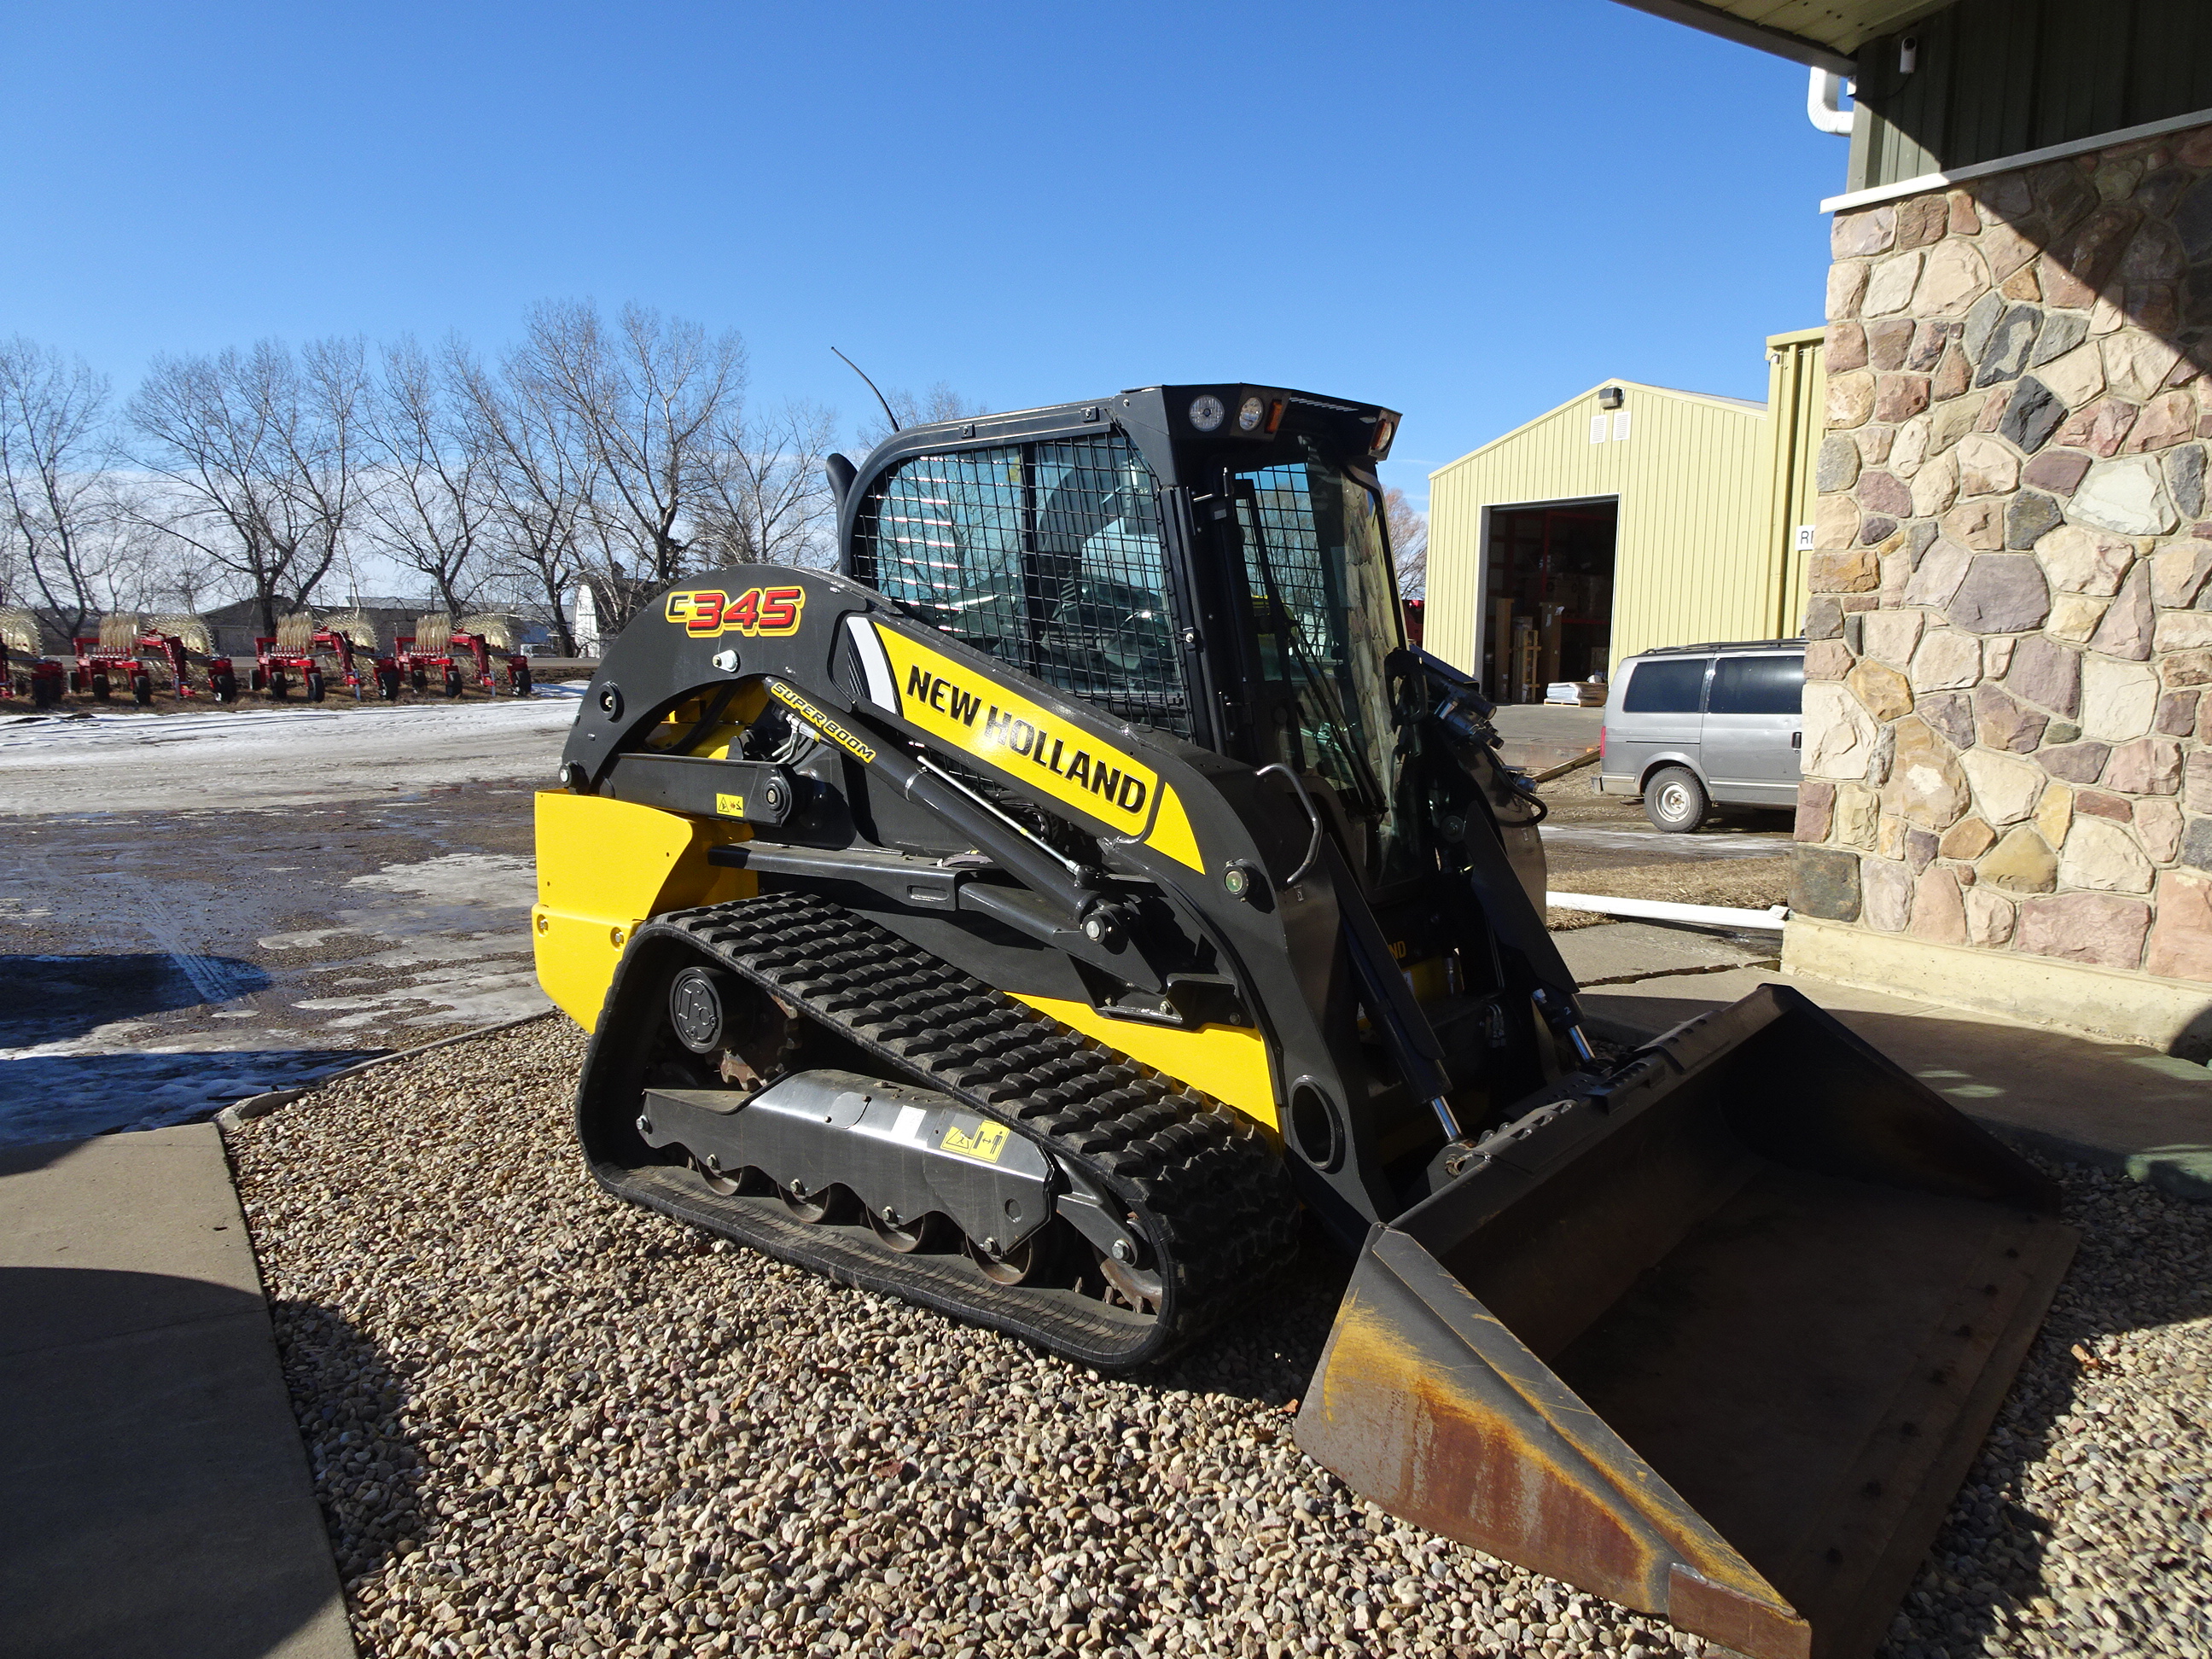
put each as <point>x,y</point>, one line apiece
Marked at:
<point>707,613</point>
<point>949,700</point>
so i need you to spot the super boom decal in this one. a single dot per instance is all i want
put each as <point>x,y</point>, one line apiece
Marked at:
<point>1006,731</point>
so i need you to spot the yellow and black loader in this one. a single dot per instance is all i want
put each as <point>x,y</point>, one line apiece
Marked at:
<point>1035,917</point>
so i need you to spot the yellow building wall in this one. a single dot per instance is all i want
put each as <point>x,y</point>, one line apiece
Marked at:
<point>1696,554</point>
<point>1797,392</point>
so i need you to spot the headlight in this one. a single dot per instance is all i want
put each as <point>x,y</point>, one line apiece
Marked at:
<point>1205,412</point>
<point>1249,414</point>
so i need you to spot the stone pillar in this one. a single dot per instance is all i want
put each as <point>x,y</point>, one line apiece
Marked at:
<point>2008,668</point>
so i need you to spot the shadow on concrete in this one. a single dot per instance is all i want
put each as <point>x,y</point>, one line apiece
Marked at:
<point>55,999</point>
<point>53,1100</point>
<point>2126,1110</point>
<point>155,1502</point>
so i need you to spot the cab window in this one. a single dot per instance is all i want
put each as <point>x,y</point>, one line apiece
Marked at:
<point>1046,555</point>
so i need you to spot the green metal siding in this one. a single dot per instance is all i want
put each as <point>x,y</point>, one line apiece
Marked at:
<point>1998,77</point>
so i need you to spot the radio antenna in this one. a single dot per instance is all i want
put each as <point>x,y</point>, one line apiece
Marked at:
<point>872,386</point>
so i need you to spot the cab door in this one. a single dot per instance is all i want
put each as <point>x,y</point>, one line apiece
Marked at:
<point>1755,728</point>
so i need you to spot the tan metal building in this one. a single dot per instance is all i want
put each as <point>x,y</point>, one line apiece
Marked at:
<point>1629,517</point>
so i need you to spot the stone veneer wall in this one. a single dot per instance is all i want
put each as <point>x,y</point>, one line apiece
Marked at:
<point>2009,673</point>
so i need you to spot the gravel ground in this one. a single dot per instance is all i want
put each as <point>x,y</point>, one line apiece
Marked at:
<point>542,1422</point>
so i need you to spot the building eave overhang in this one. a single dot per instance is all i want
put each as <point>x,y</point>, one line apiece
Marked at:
<point>1825,34</point>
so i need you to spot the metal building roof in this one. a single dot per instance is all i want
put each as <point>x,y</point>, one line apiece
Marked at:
<point>1825,34</point>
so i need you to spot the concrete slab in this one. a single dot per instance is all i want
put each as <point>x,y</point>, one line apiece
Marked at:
<point>1619,952</point>
<point>158,1495</point>
<point>2106,1105</point>
<point>1537,737</point>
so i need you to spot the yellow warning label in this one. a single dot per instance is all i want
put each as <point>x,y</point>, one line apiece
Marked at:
<point>1003,729</point>
<point>984,1144</point>
<point>730,806</point>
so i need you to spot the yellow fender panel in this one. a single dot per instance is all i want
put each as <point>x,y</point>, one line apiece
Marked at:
<point>1226,1061</point>
<point>604,868</point>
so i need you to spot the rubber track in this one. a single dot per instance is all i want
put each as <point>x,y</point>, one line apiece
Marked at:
<point>1211,1194</point>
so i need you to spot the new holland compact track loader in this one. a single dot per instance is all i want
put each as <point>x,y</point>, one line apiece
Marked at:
<point>1032,918</point>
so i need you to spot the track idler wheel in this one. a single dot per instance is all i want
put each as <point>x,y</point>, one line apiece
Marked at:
<point>828,1207</point>
<point>904,1237</point>
<point>1027,1262</point>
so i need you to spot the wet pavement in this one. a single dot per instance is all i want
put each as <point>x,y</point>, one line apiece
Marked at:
<point>228,904</point>
<point>163,964</point>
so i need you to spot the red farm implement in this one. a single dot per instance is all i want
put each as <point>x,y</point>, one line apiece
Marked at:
<point>439,645</point>
<point>26,670</point>
<point>312,654</point>
<point>134,653</point>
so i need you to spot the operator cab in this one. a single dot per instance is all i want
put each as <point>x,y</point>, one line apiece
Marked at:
<point>1208,561</point>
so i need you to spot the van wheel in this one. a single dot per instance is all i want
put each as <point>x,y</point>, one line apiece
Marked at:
<point>1675,801</point>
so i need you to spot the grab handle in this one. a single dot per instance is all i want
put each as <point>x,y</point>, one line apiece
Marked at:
<point>1313,816</point>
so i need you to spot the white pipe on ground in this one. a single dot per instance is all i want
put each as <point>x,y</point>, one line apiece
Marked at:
<point>1703,915</point>
<point>1824,102</point>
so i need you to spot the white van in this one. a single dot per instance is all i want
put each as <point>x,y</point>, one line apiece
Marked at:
<point>1697,727</point>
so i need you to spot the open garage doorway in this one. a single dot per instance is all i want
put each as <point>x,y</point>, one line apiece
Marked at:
<point>1548,596</point>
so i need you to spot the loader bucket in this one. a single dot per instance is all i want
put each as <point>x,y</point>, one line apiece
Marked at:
<point>1717,1340</point>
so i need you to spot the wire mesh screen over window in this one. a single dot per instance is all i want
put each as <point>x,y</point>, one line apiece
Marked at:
<point>1324,612</point>
<point>1322,608</point>
<point>1046,555</point>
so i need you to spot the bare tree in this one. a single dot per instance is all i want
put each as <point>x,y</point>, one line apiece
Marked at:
<point>542,479</point>
<point>433,471</point>
<point>940,402</point>
<point>255,457</point>
<point>1408,528</point>
<point>764,497</point>
<point>645,396</point>
<point>60,526</point>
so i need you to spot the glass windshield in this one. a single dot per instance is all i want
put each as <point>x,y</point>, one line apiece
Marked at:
<point>1325,612</point>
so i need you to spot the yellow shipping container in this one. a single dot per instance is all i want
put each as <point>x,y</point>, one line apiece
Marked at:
<point>1631,517</point>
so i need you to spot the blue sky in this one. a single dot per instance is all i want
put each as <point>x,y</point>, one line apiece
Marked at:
<point>1467,210</point>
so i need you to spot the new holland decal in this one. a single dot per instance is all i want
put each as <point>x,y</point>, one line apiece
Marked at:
<point>949,700</point>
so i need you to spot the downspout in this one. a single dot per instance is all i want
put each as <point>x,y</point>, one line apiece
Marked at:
<point>1824,101</point>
